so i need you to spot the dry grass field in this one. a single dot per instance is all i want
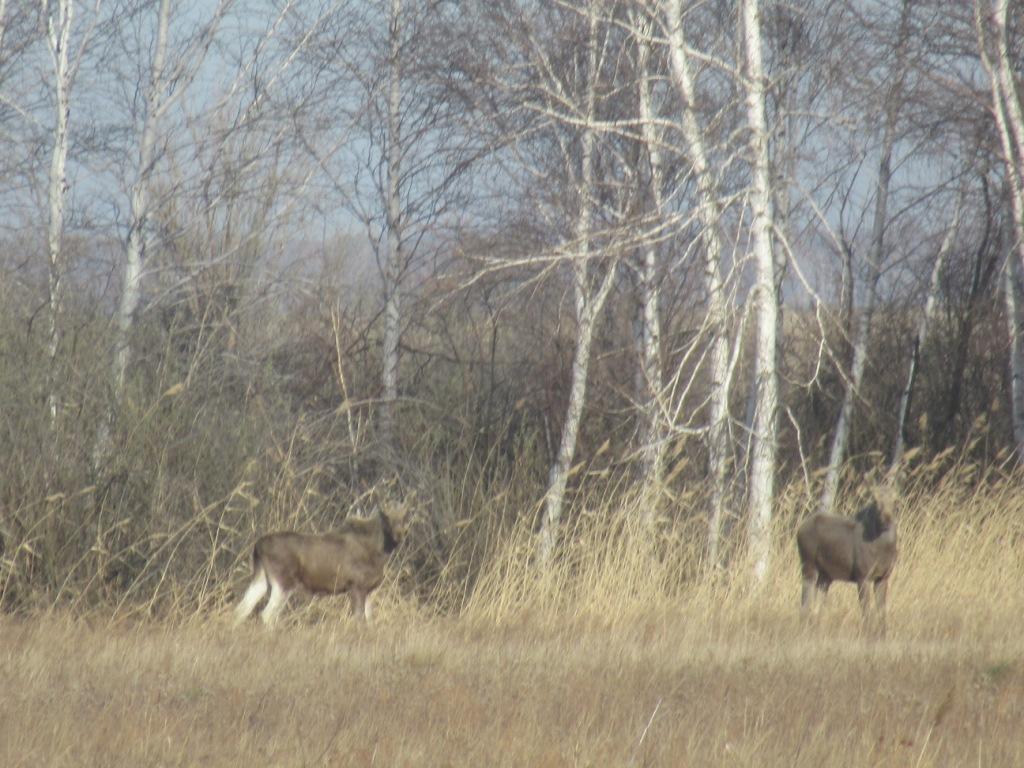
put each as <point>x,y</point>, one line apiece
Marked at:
<point>612,660</point>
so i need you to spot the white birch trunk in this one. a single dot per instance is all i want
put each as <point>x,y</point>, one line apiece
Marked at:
<point>1005,104</point>
<point>1007,79</point>
<point>862,334</point>
<point>709,214</point>
<point>135,250</point>
<point>1013,294</point>
<point>59,21</point>
<point>765,426</point>
<point>876,255</point>
<point>1010,116</point>
<point>923,327</point>
<point>138,219</point>
<point>589,303</point>
<point>1006,109</point>
<point>395,256</point>
<point>179,72</point>
<point>653,374</point>
<point>588,309</point>
<point>653,439</point>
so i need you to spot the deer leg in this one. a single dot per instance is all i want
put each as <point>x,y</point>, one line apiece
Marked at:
<point>806,598</point>
<point>881,591</point>
<point>278,597</point>
<point>253,594</point>
<point>368,608</point>
<point>358,599</point>
<point>823,585</point>
<point>865,603</point>
<point>810,575</point>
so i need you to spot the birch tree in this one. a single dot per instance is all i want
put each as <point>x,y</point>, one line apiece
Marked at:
<point>60,21</point>
<point>170,74</point>
<point>1013,297</point>
<point>653,432</point>
<point>167,85</point>
<point>765,424</point>
<point>992,19</point>
<point>709,215</point>
<point>131,291</point>
<point>874,262</point>
<point>590,290</point>
<point>399,150</point>
<point>395,258</point>
<point>924,326</point>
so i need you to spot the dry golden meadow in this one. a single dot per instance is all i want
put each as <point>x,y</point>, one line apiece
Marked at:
<point>620,656</point>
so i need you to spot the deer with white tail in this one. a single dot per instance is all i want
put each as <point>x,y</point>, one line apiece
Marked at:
<point>348,560</point>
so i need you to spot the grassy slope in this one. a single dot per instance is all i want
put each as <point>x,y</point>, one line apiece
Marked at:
<point>614,661</point>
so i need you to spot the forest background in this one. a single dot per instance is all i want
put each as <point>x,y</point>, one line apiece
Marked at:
<point>609,293</point>
<point>686,270</point>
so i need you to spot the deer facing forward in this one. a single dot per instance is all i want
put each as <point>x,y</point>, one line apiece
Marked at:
<point>861,549</point>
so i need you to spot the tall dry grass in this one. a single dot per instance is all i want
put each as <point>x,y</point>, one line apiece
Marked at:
<point>628,652</point>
